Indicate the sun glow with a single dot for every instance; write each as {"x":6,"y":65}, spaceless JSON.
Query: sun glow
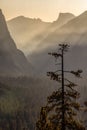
{"x":47,"y":10}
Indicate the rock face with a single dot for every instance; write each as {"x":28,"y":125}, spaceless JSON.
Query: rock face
{"x":63,"y":19}
{"x":12,"y":61}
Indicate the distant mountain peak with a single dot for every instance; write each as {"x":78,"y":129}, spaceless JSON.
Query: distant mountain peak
{"x":63,"y":18}
{"x":79,"y":23}
{"x":66,"y":14}
{"x":22,"y":19}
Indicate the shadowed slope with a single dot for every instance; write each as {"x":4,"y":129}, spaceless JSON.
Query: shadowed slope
{"x":12,"y":60}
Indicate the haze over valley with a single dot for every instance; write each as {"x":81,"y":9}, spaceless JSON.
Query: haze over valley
{"x":24,"y":62}
{"x":36,"y":38}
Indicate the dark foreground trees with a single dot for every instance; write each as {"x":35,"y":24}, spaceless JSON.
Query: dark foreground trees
{"x":62,"y":107}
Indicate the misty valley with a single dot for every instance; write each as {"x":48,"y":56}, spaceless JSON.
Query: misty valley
{"x":29,"y":99}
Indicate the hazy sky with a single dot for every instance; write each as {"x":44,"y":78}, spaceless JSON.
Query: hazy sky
{"x":47,"y":10}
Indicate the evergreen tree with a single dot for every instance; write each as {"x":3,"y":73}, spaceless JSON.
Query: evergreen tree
{"x":62,"y":107}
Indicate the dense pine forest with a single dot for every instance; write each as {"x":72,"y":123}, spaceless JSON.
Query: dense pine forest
{"x":21,"y":100}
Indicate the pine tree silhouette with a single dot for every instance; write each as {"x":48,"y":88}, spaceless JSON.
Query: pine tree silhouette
{"x":60,"y":113}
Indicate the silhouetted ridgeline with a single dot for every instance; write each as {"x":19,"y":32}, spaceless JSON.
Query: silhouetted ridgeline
{"x":12,"y":60}
{"x":37,"y":43}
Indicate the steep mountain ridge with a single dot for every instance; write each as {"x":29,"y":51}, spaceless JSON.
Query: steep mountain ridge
{"x":33,"y":31}
{"x":12,"y":61}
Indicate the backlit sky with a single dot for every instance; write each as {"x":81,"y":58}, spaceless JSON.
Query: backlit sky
{"x":47,"y":10}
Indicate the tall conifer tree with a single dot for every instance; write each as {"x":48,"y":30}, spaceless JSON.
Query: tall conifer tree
{"x":62,"y":107}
